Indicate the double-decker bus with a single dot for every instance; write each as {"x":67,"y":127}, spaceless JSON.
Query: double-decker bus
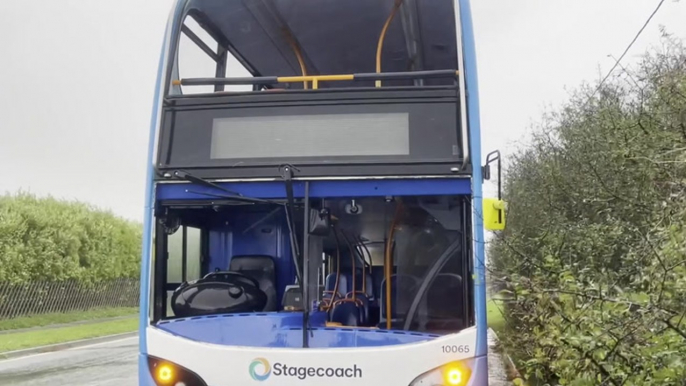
{"x":314,"y":210}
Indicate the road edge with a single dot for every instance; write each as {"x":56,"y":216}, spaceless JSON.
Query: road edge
{"x":513,"y":372}
{"x":66,"y":345}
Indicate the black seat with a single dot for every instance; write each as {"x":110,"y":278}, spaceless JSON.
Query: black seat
{"x":347,"y":313}
{"x":403,"y":287}
{"x":260,"y":268}
{"x":444,"y":308}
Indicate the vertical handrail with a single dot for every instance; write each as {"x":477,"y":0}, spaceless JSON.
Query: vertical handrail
{"x":382,"y":37}
{"x":388,"y":261}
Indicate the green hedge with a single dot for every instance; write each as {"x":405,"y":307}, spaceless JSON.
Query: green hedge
{"x":593,"y":263}
{"x":53,"y":240}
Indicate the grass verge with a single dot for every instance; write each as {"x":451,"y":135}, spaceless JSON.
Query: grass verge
{"x":495,"y":318}
{"x":66,"y":317}
{"x":30,"y":339}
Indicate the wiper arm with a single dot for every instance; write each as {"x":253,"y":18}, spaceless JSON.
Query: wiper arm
{"x":200,"y":181}
{"x":235,"y":196}
{"x":287,"y":175}
{"x":251,"y":200}
{"x":298,"y":259}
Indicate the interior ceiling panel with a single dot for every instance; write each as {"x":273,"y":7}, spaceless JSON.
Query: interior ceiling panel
{"x":335,"y":36}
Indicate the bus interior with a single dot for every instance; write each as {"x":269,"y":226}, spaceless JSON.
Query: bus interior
{"x":365,"y":258}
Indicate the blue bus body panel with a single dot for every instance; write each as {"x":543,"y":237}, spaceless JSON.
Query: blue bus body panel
{"x":330,"y":189}
{"x":479,"y":367}
{"x":471,"y":78}
{"x":146,"y":260}
{"x":147,"y":216}
{"x":283,"y":330}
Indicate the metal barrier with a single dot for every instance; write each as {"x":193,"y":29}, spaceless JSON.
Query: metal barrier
{"x":36,"y":298}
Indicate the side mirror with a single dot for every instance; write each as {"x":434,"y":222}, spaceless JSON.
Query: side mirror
{"x":494,"y":209}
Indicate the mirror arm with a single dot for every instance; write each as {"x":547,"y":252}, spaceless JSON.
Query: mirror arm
{"x":495,"y":156}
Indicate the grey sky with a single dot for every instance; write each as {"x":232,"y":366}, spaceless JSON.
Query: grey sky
{"x":76,"y":81}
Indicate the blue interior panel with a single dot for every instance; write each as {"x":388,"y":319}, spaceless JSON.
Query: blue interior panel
{"x":238,"y":237}
{"x":283,"y":330}
{"x":328,"y":189}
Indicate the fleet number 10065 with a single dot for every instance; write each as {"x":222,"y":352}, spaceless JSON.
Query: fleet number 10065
{"x":454,"y":348}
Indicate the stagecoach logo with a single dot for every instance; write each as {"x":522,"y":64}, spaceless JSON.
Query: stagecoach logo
{"x":260,"y":369}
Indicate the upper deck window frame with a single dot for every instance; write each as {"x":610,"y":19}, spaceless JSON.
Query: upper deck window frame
{"x":175,"y":102}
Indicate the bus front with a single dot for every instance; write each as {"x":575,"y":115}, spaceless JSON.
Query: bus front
{"x":310,"y":209}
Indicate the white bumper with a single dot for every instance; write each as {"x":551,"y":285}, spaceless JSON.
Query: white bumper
{"x":234,"y":366}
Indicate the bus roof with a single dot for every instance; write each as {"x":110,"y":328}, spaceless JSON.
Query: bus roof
{"x":333,"y":36}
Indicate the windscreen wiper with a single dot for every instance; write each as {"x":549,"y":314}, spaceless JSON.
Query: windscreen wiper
{"x":200,"y":181}
{"x":231,"y":195}
{"x":249,"y":200}
{"x":287,"y":175}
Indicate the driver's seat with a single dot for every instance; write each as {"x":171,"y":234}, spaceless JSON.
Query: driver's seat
{"x":260,"y":268}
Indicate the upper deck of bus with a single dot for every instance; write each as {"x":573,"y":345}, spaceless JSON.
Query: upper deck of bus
{"x":347,"y":89}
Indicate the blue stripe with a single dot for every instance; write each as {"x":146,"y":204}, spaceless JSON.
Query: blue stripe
{"x":147,"y":222}
{"x":340,"y":188}
{"x":479,"y":367}
{"x":144,"y":377}
{"x":471,"y":78}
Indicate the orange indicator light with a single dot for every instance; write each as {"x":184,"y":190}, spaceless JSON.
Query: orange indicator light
{"x":165,"y":373}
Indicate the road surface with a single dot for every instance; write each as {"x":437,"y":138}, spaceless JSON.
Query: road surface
{"x":114,"y":364}
{"x":105,"y":364}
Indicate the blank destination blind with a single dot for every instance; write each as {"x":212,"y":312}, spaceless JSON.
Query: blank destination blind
{"x":326,"y":135}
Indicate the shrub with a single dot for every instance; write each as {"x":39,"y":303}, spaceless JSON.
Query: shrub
{"x":52,"y":240}
{"x":594,"y":258}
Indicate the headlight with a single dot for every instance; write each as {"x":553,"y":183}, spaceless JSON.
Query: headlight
{"x":166,"y":373}
{"x":451,"y":374}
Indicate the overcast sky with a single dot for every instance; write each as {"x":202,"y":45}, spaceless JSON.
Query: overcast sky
{"x":77,"y":77}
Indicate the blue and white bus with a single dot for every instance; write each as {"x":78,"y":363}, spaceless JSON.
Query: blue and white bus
{"x":314,"y":209}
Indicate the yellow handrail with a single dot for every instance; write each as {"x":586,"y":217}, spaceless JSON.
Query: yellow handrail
{"x":298,"y":54}
{"x":315,"y":79}
{"x":382,"y":37}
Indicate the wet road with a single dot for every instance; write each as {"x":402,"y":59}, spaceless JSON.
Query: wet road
{"x":105,"y":364}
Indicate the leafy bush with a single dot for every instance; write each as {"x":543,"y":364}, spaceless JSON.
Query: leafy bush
{"x":593,"y":263}
{"x":47,"y":239}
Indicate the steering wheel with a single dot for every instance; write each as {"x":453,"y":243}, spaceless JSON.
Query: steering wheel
{"x":218,"y":292}
{"x":230,"y":276}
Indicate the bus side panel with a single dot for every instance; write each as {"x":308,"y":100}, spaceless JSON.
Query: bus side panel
{"x":471,"y":78}
{"x":144,"y":377}
{"x":479,"y":372}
